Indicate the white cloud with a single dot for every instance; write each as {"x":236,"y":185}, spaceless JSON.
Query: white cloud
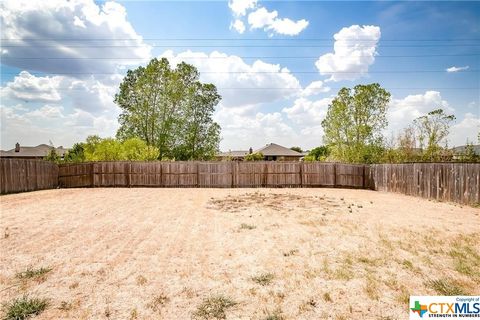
{"x":86,"y":94}
{"x":403,"y":111}
{"x":355,"y":49}
{"x":51,"y":123}
{"x":314,"y":88}
{"x":58,"y":29}
{"x":238,"y":82}
{"x":238,"y":25}
{"x":465,"y":130}
{"x":307,"y":112}
{"x":26,"y":87}
{"x":288,"y":27}
{"x":240,"y":7}
{"x":67,"y":107}
{"x":46,"y":112}
{"x":254,"y":129}
{"x":261,"y":18}
{"x":456,"y":69}
{"x":269,"y":21}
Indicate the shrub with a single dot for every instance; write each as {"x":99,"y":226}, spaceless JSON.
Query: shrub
{"x":256,"y":156}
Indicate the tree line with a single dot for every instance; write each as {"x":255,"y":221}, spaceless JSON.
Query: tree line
{"x":167,"y":114}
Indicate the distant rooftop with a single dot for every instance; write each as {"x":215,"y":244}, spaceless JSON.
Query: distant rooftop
{"x":39,"y":151}
{"x":273,"y":149}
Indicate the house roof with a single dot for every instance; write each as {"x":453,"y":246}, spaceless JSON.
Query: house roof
{"x":461,"y":149}
{"x":273,"y":149}
{"x":33,"y":152}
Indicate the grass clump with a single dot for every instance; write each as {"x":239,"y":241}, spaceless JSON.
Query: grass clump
{"x":24,"y":307}
{"x":275,"y":315}
{"x":466,"y":259}
{"x":371,"y":288}
{"x":290,"y":253}
{"x":327,"y":297}
{"x":32,"y":273}
{"x":446,"y":287}
{"x":246,"y":226}
{"x":214,"y":308}
{"x":158,"y":302}
{"x":407,"y":264}
{"x":264,"y":278}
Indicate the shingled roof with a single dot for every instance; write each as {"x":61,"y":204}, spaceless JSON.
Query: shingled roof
{"x":39,"y":151}
{"x":273,"y":149}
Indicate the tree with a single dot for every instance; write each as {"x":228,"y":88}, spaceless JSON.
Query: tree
{"x":256,"y":156}
{"x":318,"y":154}
{"x":109,"y":149}
{"x":469,"y":154}
{"x":135,"y":149}
{"x":407,"y":146}
{"x":354,"y":123}
{"x":298,"y":149}
{"x":432,"y":128}
{"x":52,"y":156}
{"x":169,"y":109}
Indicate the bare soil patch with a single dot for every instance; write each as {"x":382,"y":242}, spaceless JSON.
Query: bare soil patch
{"x":233,"y":253}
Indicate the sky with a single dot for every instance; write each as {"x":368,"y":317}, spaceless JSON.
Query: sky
{"x":276,"y":64}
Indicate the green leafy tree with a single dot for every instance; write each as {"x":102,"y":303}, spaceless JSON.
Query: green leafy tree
{"x":354,"y":123}
{"x":76,"y":153}
{"x":135,"y":149}
{"x":169,"y":109}
{"x":432,"y":129}
{"x":52,"y":156}
{"x":469,"y":154}
{"x":108,"y":149}
{"x":256,"y":156}
{"x":298,"y":149}
{"x":320,"y":153}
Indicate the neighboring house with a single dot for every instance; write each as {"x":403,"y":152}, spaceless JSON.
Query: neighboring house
{"x":271,"y":152}
{"x":232,"y":155}
{"x":458,"y":152}
{"x":38,"y":152}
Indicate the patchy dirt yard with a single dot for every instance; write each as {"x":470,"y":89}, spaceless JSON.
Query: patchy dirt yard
{"x":234,"y":253}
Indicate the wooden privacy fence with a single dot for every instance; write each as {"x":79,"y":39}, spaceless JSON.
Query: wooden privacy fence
{"x":455,"y":182}
{"x":211,"y":174}
{"x":19,"y":175}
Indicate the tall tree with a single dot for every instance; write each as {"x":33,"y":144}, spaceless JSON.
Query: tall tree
{"x":432,"y":129}
{"x":354,"y":123}
{"x":169,"y":109}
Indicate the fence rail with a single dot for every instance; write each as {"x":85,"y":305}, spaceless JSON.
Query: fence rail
{"x":456,"y":182}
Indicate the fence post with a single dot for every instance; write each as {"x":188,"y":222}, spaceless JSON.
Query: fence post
{"x":334,"y":174}
{"x":301,"y":174}
{"x":129,"y":170}
{"x":363,"y":182}
{"x":92,"y":178}
{"x":198,"y":175}
{"x":232,"y":169}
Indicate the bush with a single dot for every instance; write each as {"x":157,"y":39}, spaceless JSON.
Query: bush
{"x":256,"y":156}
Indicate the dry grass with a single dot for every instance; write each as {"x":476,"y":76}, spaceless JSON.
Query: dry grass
{"x":164,"y":253}
{"x":214,"y":308}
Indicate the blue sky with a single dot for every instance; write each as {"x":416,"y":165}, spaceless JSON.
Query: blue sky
{"x":274,"y":63}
